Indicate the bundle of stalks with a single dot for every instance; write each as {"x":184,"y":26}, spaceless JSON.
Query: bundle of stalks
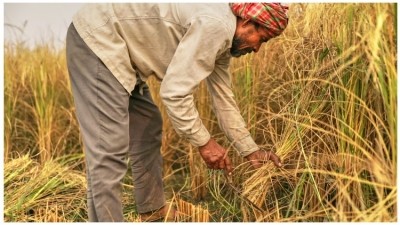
{"x":191,"y":213}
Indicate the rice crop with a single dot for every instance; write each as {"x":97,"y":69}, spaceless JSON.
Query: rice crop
{"x":323,"y":96}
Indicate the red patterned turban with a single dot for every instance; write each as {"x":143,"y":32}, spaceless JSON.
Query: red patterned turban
{"x":272,"y":16}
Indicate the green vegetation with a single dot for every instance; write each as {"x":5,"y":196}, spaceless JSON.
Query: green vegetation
{"x":323,"y":96}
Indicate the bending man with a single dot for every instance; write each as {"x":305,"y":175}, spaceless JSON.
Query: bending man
{"x":112,"y":49}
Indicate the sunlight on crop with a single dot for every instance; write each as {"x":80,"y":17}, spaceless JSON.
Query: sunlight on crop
{"x":323,"y":96}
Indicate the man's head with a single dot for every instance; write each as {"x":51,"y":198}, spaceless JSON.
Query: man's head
{"x":256,"y":24}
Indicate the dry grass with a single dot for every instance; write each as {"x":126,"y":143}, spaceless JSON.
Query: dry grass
{"x":332,"y":119}
{"x":323,"y":96}
{"x":48,"y":192}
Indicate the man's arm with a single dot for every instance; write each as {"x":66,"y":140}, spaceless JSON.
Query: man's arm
{"x":230,"y":119}
{"x":193,"y":61}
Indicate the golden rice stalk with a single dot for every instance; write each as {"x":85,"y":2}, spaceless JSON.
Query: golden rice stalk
{"x":198,"y":175}
{"x":188,"y":212}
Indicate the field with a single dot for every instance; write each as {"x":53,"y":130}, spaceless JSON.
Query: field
{"x":323,"y":96}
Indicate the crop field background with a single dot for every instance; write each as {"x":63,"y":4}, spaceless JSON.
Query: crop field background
{"x":323,"y":96}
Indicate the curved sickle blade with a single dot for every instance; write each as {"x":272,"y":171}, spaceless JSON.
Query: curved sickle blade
{"x":239,"y":193}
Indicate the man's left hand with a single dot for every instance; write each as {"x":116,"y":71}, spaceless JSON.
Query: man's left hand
{"x":258,"y":158}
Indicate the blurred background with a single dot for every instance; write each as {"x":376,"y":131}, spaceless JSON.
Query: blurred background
{"x":36,"y":23}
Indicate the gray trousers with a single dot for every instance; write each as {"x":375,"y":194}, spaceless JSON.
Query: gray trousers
{"x":115,"y":126}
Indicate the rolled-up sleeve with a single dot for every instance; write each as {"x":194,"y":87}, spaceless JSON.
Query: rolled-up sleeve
{"x":193,"y":61}
{"x":226,"y":110}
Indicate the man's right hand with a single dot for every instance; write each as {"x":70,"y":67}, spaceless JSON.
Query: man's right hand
{"x":215,"y":156}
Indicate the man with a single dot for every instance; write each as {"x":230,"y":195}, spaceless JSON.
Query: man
{"x":112,"y":49}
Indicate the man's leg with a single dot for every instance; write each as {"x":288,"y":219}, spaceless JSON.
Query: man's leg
{"x":102,"y":110}
{"x":145,"y":142}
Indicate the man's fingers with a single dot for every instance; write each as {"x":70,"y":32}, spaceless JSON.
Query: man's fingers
{"x":258,"y":158}
{"x":273,"y":157}
{"x":217,"y":165}
{"x":213,"y":165}
{"x":228,"y":165}
{"x":221,"y":164}
{"x":256,"y":163}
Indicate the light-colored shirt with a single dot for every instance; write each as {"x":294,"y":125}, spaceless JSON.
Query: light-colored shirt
{"x":181,"y":45}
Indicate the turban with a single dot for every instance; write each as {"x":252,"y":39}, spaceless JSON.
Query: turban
{"x":272,"y":16}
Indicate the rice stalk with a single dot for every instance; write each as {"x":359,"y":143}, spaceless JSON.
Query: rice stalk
{"x":51,"y":192}
{"x":191,"y":213}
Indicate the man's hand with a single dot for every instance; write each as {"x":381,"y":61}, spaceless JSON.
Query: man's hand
{"x":258,"y":158}
{"x":215,"y":156}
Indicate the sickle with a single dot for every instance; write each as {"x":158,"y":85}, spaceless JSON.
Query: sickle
{"x":239,"y":193}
